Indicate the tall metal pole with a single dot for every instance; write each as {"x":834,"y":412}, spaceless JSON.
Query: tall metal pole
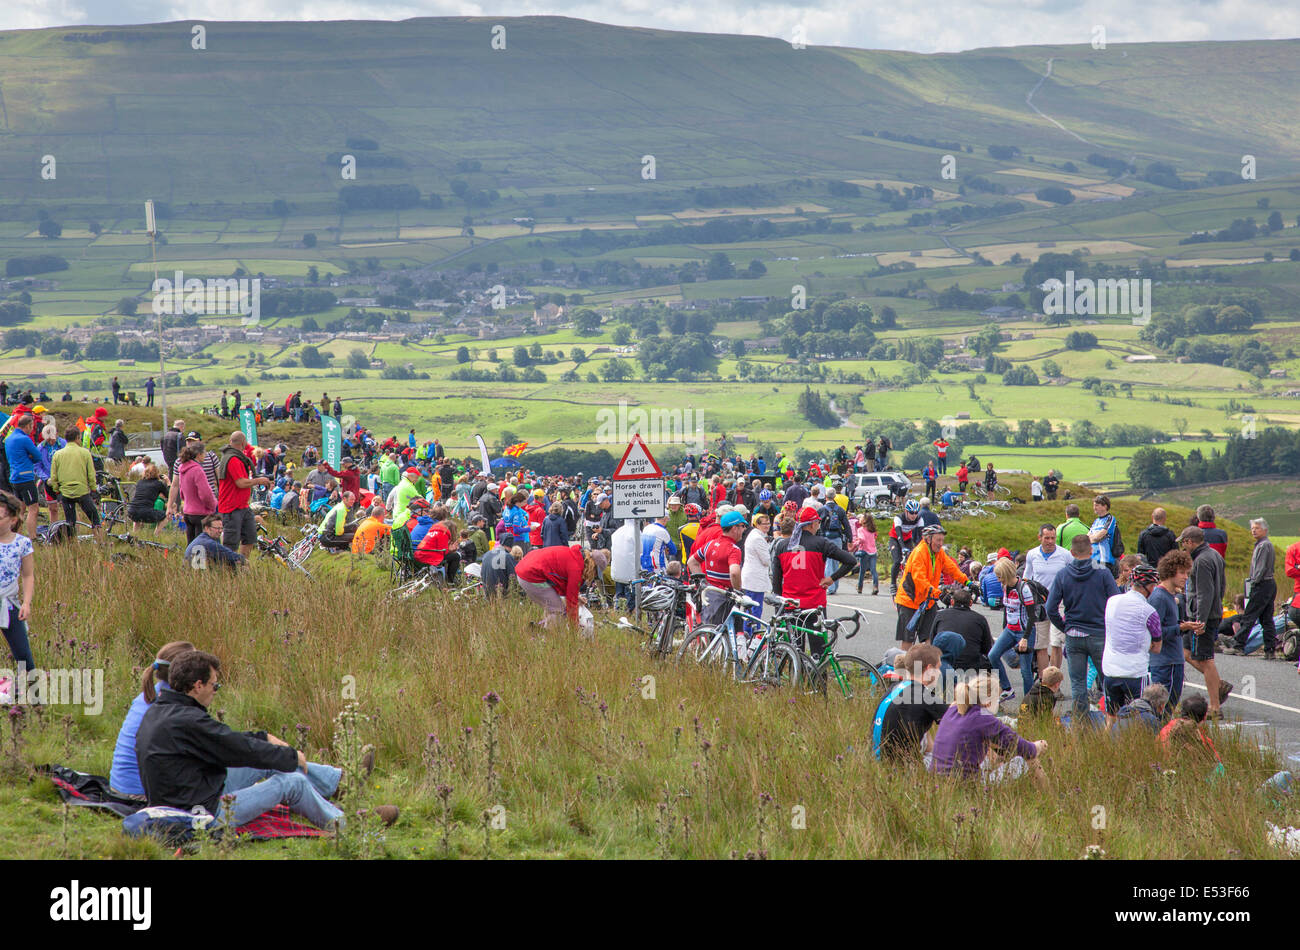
{"x":152,"y":226}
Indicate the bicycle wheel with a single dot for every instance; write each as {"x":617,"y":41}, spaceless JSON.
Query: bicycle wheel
{"x":1002,"y":489}
{"x":705,"y":647}
{"x":776,"y":664}
{"x":978,"y":490}
{"x":661,"y":640}
{"x":861,"y":676}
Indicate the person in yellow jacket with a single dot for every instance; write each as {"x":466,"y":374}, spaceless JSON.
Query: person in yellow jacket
{"x":927,"y":568}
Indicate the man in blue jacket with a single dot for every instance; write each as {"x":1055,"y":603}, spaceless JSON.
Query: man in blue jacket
{"x":20,"y":450}
{"x":1080,"y":592}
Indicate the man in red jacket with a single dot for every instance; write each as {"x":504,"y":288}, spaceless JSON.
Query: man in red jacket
{"x":1293,"y":572}
{"x":435,"y":550}
{"x":553,"y":577}
{"x":349,"y":478}
{"x":718,"y":559}
{"x":536,"y":517}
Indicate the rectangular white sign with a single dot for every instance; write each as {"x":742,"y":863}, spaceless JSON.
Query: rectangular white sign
{"x":640,"y":498}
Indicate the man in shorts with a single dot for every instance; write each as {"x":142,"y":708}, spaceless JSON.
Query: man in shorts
{"x":1042,"y":564}
{"x":1206,"y":586}
{"x":72,"y":478}
{"x":234,"y":492}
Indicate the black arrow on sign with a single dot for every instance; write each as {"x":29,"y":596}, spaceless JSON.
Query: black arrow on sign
{"x":637,"y":511}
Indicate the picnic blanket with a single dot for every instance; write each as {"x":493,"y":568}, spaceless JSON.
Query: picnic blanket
{"x":92,"y":791}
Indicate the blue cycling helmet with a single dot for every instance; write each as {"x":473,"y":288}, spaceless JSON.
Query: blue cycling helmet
{"x":913,"y":507}
{"x":765,"y":495}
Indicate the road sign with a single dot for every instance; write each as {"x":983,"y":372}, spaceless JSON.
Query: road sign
{"x":640,"y":498}
{"x":637,"y":462}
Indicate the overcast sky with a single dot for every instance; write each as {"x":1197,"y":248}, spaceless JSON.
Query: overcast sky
{"x":935,"y":26}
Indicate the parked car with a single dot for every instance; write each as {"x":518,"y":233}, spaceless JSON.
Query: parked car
{"x":872,"y":488}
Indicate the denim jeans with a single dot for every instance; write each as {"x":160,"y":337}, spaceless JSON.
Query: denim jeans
{"x":16,"y":636}
{"x":757,"y":610}
{"x":1079,"y":650}
{"x":833,"y":566}
{"x":1006,"y":642}
{"x":950,"y":645}
{"x":258,"y":790}
{"x":867,"y":562}
{"x":1171,"y":678}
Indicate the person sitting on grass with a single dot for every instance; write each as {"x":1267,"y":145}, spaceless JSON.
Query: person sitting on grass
{"x":188,"y":759}
{"x":971,"y":736}
{"x":1147,"y":710}
{"x":902,"y":720}
{"x":371,"y":529}
{"x":1188,"y":727}
{"x":206,"y":548}
{"x":335,"y":532}
{"x":1040,"y":701}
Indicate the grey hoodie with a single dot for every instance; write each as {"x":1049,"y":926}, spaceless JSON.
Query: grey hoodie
{"x":1206,"y":585}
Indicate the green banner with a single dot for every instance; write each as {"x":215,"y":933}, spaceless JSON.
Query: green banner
{"x":331,"y":441}
{"x":248,"y":422}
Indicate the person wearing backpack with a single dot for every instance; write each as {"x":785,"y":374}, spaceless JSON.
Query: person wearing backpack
{"x":1107,"y":546}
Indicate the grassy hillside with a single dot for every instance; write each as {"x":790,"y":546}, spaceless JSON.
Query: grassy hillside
{"x":134,"y":109}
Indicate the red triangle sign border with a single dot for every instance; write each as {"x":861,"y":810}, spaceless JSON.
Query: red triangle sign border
{"x":618,"y":469}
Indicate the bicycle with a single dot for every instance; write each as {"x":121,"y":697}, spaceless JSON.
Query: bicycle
{"x":854,"y":675}
{"x":771,"y":661}
{"x":277,"y":549}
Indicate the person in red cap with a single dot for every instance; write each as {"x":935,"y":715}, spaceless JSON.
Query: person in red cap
{"x":93,"y":435}
{"x":799,"y":565}
{"x":1003,"y":552}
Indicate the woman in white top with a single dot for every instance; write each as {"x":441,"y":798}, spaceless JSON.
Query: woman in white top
{"x":756,"y":564}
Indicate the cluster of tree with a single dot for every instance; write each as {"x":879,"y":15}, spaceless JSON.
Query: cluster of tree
{"x":678,"y":357}
{"x":715,"y":231}
{"x":504,"y":373}
{"x":916,"y":140}
{"x":1227,"y":315}
{"x":378,"y":197}
{"x":473,"y":197}
{"x":1115,"y":167}
{"x":1080,"y":340}
{"x":1164,"y":175}
{"x":1250,"y":356}
{"x":817,"y":410}
{"x":899,"y":200}
{"x":857,"y":342}
{"x":1057,"y":194}
{"x":287,"y":303}
{"x":468,"y":166}
{"x":313,"y":358}
{"x":574,"y":462}
{"x":1269,"y":451}
{"x":401,"y":372}
{"x":963,"y":213}
{"x":34,"y":264}
{"x":362,"y":143}
{"x":980,"y":183}
{"x":107,"y":346}
{"x":844,"y":189}
{"x":1088,"y":434}
{"x":1020,"y":376}
{"x":1241,"y":229}
{"x":13,"y":312}
{"x":1003,"y":153}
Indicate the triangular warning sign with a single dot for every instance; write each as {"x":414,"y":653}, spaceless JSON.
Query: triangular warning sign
{"x":637,"y":462}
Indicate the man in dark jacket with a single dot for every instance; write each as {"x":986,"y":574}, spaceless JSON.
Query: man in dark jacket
{"x":555,"y":531}
{"x":187,"y":758}
{"x":1156,"y":540}
{"x":172,"y":444}
{"x":489,"y":506}
{"x":1080,"y":592}
{"x":972,"y":653}
{"x":1205,"y":588}
{"x":1261,"y":591}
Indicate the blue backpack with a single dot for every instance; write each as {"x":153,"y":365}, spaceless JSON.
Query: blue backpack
{"x":878,"y":726}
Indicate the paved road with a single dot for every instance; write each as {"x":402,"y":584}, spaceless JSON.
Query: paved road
{"x":1266,"y":703}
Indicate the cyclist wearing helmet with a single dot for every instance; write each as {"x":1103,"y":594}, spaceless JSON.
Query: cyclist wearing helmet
{"x":903,"y":537}
{"x":767,"y":504}
{"x":718,"y":559}
{"x":690,"y":530}
{"x":1133,"y":633}
{"x":928,"y":567}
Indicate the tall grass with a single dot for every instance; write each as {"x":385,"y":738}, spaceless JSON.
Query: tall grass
{"x":582,"y":756}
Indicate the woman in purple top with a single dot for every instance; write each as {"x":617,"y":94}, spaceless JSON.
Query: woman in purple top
{"x":970,"y":733}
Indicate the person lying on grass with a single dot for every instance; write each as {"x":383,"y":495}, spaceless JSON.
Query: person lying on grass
{"x":189,"y":759}
{"x":971,"y":736}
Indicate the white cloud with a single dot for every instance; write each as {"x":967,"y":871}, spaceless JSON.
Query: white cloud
{"x":34,"y":14}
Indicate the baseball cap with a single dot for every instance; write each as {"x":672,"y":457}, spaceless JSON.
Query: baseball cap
{"x":193,"y":435}
{"x":1003,"y":552}
{"x":808,"y":514}
{"x":731,"y":519}
{"x":413,"y":471}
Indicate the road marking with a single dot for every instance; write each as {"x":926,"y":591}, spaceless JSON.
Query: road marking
{"x":1249,"y":699}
